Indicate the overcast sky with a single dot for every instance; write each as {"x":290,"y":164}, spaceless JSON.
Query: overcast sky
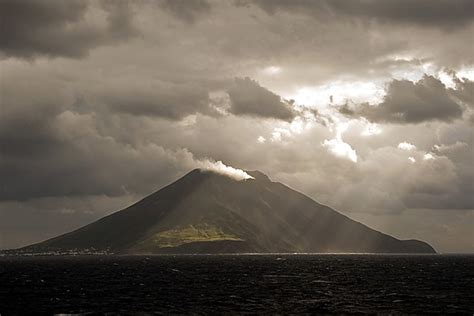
{"x":366,"y":106}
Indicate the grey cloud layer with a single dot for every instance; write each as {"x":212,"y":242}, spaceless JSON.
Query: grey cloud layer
{"x":443,"y":13}
{"x":247,"y":97}
{"x":59,"y":28}
{"x":186,"y":10}
{"x":161,"y":99}
{"x":74,"y":29}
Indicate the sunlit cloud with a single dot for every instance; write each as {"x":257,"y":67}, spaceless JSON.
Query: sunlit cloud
{"x":406,"y":146}
{"x":340,"y":92}
{"x":341,"y":149}
{"x":412,"y":159}
{"x":297,"y":126}
{"x":272,"y":70}
{"x":337,"y":146}
{"x":429,"y":156}
{"x":278,"y":132}
{"x":276,"y":136}
{"x":401,"y":56}
{"x":415,"y":71}
{"x":261,"y":139}
{"x":447,"y":79}
{"x":467,"y":72}
{"x":371,"y":129}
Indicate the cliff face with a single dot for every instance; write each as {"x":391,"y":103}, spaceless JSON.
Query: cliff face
{"x":204,"y":212}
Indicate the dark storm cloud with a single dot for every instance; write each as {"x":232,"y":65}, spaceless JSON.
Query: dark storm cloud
{"x":408,"y":102}
{"x":47,"y":134}
{"x":186,"y":10}
{"x":28,"y":104}
{"x":443,"y":13}
{"x":88,"y":166}
{"x":69,"y":155}
{"x":54,"y":28}
{"x":167,"y":100}
{"x":247,"y":97}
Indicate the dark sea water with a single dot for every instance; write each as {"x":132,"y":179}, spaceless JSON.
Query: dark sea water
{"x":238,"y":284}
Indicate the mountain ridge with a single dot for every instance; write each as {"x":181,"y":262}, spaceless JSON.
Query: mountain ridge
{"x":207,"y":212}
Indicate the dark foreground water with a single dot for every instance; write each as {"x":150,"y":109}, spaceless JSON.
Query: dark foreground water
{"x":239,"y":284}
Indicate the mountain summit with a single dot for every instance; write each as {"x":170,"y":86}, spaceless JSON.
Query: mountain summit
{"x":207,"y":212}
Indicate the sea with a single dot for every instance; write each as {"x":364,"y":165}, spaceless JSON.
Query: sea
{"x":237,"y":284}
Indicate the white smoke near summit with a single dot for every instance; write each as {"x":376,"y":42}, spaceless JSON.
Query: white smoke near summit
{"x":220,"y":168}
{"x":187,"y":160}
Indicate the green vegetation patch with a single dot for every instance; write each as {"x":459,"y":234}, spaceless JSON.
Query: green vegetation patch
{"x":188,"y":234}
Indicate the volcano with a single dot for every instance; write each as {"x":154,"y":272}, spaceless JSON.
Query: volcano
{"x":207,"y":212}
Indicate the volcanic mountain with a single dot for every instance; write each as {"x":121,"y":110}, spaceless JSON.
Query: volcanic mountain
{"x":206,"y":212}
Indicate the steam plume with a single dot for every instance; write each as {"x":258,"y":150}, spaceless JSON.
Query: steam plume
{"x":220,"y":168}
